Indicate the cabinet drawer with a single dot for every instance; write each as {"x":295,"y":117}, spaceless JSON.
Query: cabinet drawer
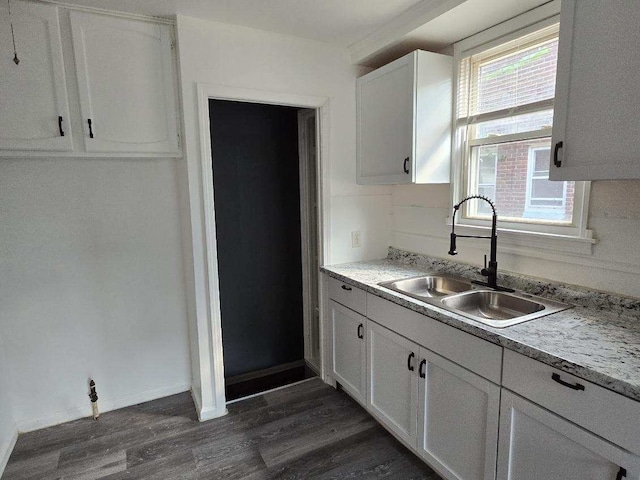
{"x":348,"y":295}
{"x":471,"y":352}
{"x":606,"y":413}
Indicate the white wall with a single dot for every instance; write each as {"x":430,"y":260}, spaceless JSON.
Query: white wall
{"x":242,"y":57}
{"x":8,"y":431}
{"x":420,"y":211}
{"x":92,"y":284}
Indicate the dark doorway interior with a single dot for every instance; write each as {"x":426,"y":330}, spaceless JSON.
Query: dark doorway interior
{"x":257,"y":210}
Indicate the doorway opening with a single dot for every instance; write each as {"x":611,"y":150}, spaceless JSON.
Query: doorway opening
{"x":264,"y":163}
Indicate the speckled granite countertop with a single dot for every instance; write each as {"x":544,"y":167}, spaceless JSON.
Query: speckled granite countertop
{"x":598,"y":339}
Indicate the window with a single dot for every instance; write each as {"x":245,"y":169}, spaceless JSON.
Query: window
{"x":504,"y":108}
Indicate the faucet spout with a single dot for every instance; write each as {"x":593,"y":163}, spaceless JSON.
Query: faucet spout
{"x":490,"y":271}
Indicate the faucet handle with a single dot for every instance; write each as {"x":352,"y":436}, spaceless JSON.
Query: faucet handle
{"x":485,"y":271}
{"x":452,"y":244}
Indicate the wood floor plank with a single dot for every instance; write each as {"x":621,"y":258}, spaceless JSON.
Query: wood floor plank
{"x":306,"y":431}
{"x":96,"y":468}
{"x":370,"y":454}
{"x":34,"y":467}
{"x":217,"y":432}
{"x":319,"y":432}
{"x":175,"y":466}
{"x":175,"y":409}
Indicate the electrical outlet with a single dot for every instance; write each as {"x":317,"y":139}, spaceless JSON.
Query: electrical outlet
{"x":355,"y":239}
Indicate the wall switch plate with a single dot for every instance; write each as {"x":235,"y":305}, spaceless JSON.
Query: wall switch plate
{"x":355,"y":239}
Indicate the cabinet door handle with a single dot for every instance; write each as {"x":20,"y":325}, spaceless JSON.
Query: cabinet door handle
{"x":622,"y":473}
{"x":344,"y":287}
{"x":360,"y":331}
{"x":574,"y":386}
{"x":60,"y":126}
{"x":409,"y":358}
{"x":90,"y":128}
{"x":405,"y":165}
{"x":556,"y":161}
{"x":421,"y":371}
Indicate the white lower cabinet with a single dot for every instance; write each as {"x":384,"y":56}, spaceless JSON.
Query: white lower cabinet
{"x":348,"y":345}
{"x":446,"y":413}
{"x":392,"y":363}
{"x":535,"y":444}
{"x":466,"y":427}
{"x":457,"y":419}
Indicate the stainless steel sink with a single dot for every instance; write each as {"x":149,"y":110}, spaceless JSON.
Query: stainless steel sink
{"x":429,"y":286}
{"x":458,"y":295}
{"x":500,"y":309}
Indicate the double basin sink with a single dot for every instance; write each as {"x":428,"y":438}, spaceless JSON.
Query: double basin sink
{"x":458,"y":295}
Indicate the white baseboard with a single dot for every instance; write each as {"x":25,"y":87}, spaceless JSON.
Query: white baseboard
{"x":106,"y":405}
{"x":211,"y":413}
{"x":197,"y":401}
{"x":7,"y":447}
{"x":205,"y":414}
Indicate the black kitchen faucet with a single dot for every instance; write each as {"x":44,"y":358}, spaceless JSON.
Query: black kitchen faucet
{"x":490,"y":272}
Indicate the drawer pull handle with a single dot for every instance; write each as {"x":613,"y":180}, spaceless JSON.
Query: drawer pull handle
{"x":421,"y":368}
{"x":344,"y":287}
{"x":574,"y":386}
{"x":409,"y":358}
{"x":405,"y":165}
{"x":360,"y":331}
{"x":622,"y":473}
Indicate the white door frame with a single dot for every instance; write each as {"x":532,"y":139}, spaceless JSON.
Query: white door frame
{"x":212,"y":332}
{"x":306,"y":241}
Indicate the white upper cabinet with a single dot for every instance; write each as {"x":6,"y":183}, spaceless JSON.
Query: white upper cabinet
{"x":404,"y":121}
{"x":596,"y":125}
{"x":126,"y":84}
{"x":33,"y":94}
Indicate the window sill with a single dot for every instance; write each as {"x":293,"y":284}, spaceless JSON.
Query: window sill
{"x":521,"y":242}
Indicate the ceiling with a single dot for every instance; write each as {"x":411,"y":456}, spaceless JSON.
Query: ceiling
{"x":374,"y":31}
{"x":339,"y":22}
{"x":436,"y":28}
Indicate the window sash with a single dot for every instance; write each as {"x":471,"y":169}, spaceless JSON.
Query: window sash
{"x":506,"y":113}
{"x":468,"y":68}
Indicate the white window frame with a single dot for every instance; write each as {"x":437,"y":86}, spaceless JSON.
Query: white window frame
{"x":574,"y":233}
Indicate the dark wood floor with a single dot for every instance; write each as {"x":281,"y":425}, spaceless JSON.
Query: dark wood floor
{"x":305,"y":431}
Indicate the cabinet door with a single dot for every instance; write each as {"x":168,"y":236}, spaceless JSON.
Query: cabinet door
{"x":385,"y":123}
{"x":597,"y":102}
{"x":126,"y":84}
{"x":535,"y":444}
{"x":33,"y":94}
{"x":348,"y":342}
{"x":393,"y":382}
{"x":457,"y":419}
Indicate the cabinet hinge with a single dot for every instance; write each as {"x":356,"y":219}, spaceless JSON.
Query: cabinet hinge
{"x":173,"y":44}
{"x":179,"y":141}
